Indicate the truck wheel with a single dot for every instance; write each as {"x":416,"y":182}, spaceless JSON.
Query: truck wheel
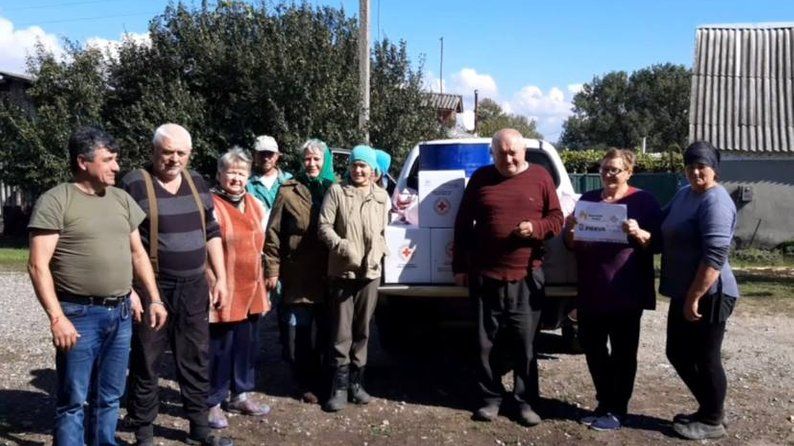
{"x":570,"y":336}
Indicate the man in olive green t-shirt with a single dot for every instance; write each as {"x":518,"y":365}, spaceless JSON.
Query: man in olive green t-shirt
{"x":84,"y":248}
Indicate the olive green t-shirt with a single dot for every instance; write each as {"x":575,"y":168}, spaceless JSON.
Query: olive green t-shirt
{"x":92,"y":257}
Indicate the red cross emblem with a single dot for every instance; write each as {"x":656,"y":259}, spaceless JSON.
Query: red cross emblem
{"x":448,"y":249}
{"x":442,"y":206}
{"x":406,"y":251}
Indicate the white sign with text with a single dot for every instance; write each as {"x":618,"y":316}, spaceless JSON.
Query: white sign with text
{"x":599,"y":222}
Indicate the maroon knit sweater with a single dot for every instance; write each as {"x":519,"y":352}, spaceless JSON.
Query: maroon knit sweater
{"x":491,"y":209}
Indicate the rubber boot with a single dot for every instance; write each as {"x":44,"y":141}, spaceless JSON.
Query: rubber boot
{"x":356,"y":393}
{"x":338,"y":397}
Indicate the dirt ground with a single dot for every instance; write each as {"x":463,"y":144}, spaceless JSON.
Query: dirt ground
{"x":427,"y":399}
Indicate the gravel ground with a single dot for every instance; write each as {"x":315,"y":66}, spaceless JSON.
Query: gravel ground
{"x":427,"y":400}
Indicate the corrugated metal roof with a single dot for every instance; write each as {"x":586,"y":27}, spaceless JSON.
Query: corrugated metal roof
{"x":16,"y":76}
{"x":742,"y":93}
{"x":445,"y":101}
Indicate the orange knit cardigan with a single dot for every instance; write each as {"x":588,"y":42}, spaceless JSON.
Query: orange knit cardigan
{"x":243,"y":240}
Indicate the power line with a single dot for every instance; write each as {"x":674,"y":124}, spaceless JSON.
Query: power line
{"x":58,"y":5}
{"x":82,"y":19}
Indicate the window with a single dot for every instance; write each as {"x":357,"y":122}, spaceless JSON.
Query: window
{"x":539,"y":157}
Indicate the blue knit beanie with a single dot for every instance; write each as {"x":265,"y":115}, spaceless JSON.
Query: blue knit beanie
{"x":364,"y":154}
{"x":384,"y":161}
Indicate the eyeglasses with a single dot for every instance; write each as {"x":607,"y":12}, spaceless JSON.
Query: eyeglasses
{"x":612,"y":171}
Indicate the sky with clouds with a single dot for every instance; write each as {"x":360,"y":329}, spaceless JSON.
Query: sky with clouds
{"x":529,"y":56}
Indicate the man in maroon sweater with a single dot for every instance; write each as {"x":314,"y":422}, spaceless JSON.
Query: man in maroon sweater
{"x":507,"y":210}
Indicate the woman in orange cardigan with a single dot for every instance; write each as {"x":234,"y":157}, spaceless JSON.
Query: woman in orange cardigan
{"x":234,"y":328}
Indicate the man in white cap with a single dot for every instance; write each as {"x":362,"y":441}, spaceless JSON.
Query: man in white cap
{"x":267,"y":178}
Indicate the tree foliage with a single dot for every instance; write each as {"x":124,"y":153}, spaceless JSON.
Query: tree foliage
{"x":619,"y":110}
{"x":65,"y":96}
{"x":589,"y":161}
{"x":491,"y":118}
{"x":227,"y":74}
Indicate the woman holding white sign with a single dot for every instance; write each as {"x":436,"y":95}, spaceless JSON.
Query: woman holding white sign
{"x":697,"y":232}
{"x":616,"y":282}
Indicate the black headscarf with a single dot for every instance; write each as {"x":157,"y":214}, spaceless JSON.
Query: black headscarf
{"x":702,"y":152}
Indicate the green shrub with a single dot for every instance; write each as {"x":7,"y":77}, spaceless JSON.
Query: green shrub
{"x":786,"y":248}
{"x":588,"y":161}
{"x":757,"y":256}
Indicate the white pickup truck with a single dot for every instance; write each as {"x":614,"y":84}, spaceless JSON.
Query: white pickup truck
{"x":410,"y":314}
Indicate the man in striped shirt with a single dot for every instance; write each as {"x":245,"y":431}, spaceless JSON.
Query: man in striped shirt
{"x":180,"y":234}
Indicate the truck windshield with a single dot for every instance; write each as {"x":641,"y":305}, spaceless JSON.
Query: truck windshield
{"x":534,"y":156}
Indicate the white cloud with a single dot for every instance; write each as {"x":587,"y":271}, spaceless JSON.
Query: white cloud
{"x":433,"y":83}
{"x":111,"y":47}
{"x":575,"y":88}
{"x":467,"y":80}
{"x":549,"y":110}
{"x":17,"y":44}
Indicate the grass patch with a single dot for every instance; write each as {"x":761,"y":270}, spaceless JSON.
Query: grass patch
{"x":765,"y":283}
{"x":13,"y":254}
{"x":748,"y":258}
{"x":767,"y":291}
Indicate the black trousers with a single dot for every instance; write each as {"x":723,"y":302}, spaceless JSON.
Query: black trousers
{"x":612,"y":368}
{"x":305,"y":341}
{"x":693,"y":349}
{"x":187,"y":333}
{"x":507,"y":317}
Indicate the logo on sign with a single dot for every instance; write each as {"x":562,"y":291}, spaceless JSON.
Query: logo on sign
{"x":407,"y":252}
{"x":442,"y":206}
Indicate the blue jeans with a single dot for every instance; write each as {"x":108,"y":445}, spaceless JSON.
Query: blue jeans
{"x":92,"y":374}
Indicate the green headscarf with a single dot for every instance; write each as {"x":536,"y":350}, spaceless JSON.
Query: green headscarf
{"x":320,"y":184}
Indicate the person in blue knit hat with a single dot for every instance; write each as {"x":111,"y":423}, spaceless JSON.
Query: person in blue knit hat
{"x":353,"y":218}
{"x":384,"y":161}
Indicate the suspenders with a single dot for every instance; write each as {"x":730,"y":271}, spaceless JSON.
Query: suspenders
{"x":153,"y":213}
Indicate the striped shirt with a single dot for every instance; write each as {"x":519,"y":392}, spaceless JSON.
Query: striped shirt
{"x":182,"y":248}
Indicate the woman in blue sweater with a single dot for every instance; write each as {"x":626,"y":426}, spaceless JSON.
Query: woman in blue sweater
{"x":697,"y":231}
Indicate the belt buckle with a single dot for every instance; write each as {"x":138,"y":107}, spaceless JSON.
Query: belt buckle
{"x":108,"y":301}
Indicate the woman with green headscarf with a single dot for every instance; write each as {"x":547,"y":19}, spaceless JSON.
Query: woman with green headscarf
{"x":292,"y":252}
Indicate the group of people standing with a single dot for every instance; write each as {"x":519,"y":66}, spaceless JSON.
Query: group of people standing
{"x":198,"y":267}
{"x":509,"y":208}
{"x":207,"y":262}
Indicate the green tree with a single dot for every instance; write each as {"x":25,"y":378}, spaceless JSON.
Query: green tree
{"x":491,"y":118}
{"x":619,"y":110}
{"x":227,"y":73}
{"x":65,"y":95}
{"x":399,"y":118}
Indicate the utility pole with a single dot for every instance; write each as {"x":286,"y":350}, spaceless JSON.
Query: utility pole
{"x":476,"y":103}
{"x":441,"y":69}
{"x":363,"y":67}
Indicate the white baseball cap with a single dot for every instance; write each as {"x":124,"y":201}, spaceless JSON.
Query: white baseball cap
{"x":265,"y":143}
